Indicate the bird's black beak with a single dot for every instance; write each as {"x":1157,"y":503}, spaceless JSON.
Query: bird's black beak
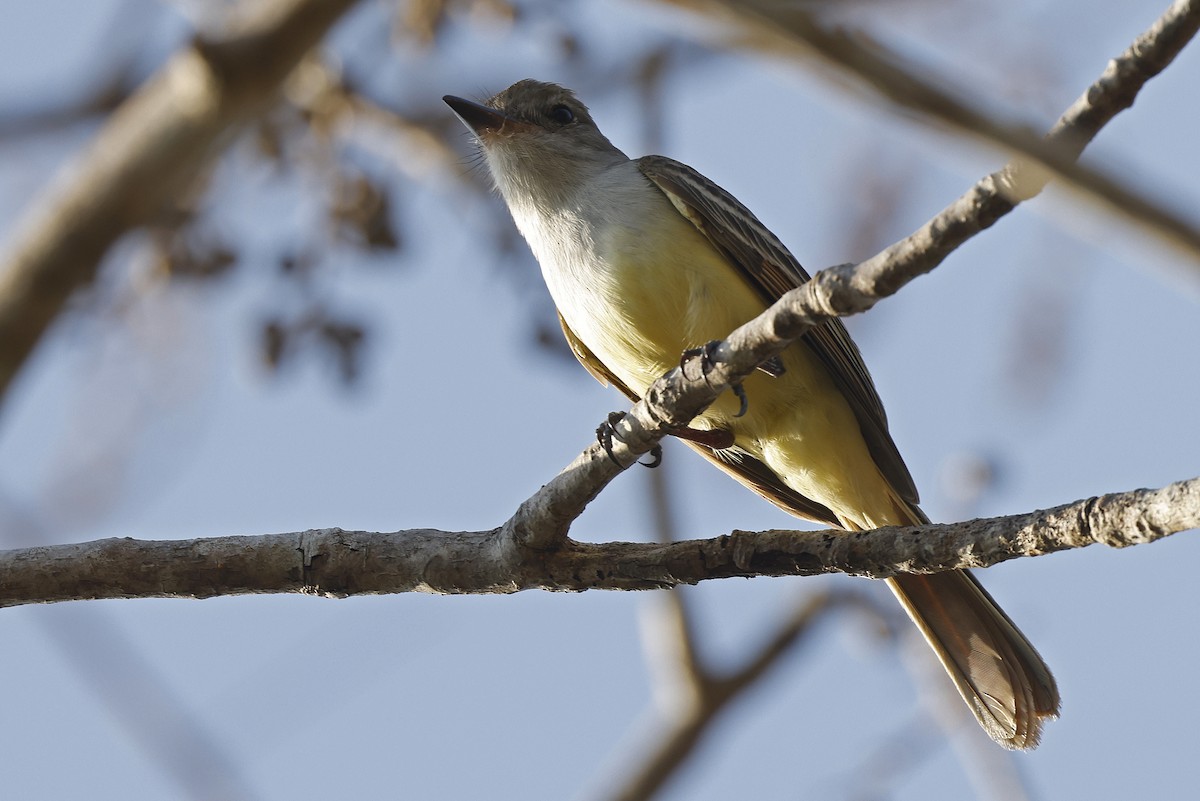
{"x":479,"y":118}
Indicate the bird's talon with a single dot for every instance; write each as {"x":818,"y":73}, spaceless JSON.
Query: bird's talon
{"x":656,"y":456}
{"x":604,"y":436}
{"x":706,"y":356}
{"x":740,"y":391}
{"x":613,"y":419}
{"x":606,"y":432}
{"x":705,"y":352}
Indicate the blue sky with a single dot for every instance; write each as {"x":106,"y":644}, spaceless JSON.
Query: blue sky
{"x":159,"y":422}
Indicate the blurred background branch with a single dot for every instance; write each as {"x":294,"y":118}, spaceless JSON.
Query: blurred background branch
{"x":338,"y":220}
{"x":153,"y":147}
{"x":690,"y":694}
{"x":794,"y":29}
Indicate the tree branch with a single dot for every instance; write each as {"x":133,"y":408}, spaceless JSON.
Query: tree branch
{"x":793,"y":29}
{"x":713,"y":691}
{"x":337,"y":563}
{"x":532,"y":549}
{"x":673,"y":400}
{"x":152,"y":147}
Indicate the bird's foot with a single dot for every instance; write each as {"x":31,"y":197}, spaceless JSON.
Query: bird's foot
{"x":744,"y":402}
{"x":606,"y":432}
{"x":705,"y":352}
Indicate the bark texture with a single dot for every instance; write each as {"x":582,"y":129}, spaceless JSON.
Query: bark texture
{"x":337,"y":563}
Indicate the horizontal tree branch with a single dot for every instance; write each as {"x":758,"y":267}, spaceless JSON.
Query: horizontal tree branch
{"x":337,"y":563}
{"x":531,"y":549}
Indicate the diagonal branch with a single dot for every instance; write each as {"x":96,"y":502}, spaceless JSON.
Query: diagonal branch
{"x":676,"y":738}
{"x":338,"y":563}
{"x":793,"y":29}
{"x":850,"y":289}
{"x":691,"y":693}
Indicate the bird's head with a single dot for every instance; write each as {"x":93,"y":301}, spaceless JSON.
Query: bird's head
{"x":538,"y":138}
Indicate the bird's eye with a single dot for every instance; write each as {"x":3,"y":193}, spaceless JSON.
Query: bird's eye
{"x":562,"y":114}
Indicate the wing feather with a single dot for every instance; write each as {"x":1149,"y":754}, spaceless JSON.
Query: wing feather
{"x":771,"y":270}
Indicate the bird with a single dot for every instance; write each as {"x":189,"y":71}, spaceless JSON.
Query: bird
{"x":647,"y":259}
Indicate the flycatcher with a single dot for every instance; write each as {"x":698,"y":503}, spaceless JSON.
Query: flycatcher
{"x":648,"y":258}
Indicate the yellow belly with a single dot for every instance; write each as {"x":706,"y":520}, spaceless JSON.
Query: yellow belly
{"x":661,"y":293}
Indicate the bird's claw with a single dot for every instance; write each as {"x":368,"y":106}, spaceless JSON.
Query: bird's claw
{"x":606,"y":432}
{"x":705,"y":352}
{"x":656,"y":457}
{"x":740,"y":391}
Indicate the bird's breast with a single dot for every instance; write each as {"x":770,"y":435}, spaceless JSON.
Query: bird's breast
{"x":634,"y":280}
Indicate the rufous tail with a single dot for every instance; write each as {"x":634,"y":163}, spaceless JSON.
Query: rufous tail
{"x":996,"y":669}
